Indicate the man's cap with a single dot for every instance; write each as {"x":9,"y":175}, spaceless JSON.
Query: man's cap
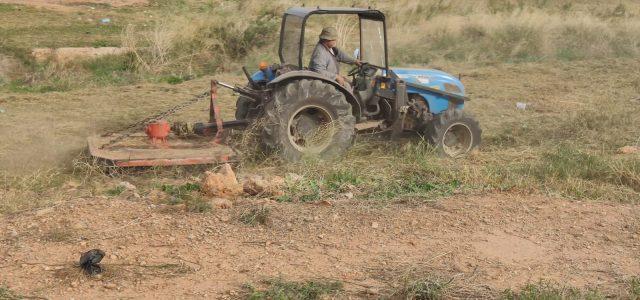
{"x":329,"y":33}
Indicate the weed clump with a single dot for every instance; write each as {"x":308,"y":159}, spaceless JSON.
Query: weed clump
{"x":280,"y":289}
{"x":425,"y":290}
{"x":5,"y":292}
{"x":255,"y":216}
{"x":187,"y":194}
{"x":549,"y":290}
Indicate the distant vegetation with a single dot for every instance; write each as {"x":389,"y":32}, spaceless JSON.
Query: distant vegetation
{"x":176,"y":40}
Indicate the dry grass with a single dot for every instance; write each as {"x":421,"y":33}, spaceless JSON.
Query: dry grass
{"x":174,"y":41}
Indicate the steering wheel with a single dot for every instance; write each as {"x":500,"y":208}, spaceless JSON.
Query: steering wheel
{"x":357,"y":69}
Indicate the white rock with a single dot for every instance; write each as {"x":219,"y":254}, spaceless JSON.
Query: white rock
{"x":127,"y":186}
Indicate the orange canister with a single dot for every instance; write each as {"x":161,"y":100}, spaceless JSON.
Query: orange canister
{"x":158,"y":131}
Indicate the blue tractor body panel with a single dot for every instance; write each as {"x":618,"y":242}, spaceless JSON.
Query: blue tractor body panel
{"x":264,"y":76}
{"x":434,"y":79}
{"x":427,"y":77}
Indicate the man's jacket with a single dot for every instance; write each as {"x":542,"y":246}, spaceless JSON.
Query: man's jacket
{"x":326,"y":63}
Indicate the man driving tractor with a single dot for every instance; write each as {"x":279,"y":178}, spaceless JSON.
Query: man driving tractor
{"x":326,"y":56}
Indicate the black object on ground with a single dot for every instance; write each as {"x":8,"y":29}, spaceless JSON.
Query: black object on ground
{"x":90,"y":260}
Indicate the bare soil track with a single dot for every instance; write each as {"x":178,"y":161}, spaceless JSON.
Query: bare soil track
{"x":160,"y":251}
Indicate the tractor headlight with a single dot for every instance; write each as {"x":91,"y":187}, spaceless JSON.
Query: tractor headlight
{"x":452,"y":88}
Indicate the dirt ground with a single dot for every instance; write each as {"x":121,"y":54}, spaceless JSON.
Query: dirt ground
{"x":156,"y":251}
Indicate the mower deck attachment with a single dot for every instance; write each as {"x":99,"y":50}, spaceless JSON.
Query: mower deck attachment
{"x":136,"y":151}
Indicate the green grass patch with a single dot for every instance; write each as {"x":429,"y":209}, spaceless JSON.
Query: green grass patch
{"x":187,"y":194}
{"x":550,"y":291}
{"x":5,"y":292}
{"x":180,"y":191}
{"x":115,"y":191}
{"x":176,"y":79}
{"x":414,"y":187}
{"x":567,"y":162}
{"x":112,"y":69}
{"x":197,"y":204}
{"x":633,"y":288}
{"x":279,"y":289}
{"x":306,"y":190}
{"x":425,"y":289}
{"x":341,"y":181}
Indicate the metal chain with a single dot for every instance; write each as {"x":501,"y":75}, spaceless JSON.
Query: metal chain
{"x":129,"y":130}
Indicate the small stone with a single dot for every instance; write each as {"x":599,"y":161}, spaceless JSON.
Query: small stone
{"x":326,"y":203}
{"x":110,"y":286}
{"x":372,"y":291}
{"x":629,"y":150}
{"x":257,"y":185}
{"x":44,"y":211}
{"x":348,"y":195}
{"x":71,"y":185}
{"x":74,"y":284}
{"x":79,"y":225}
{"x":221,"y":203}
{"x":13,"y":233}
{"x":222,"y":184}
{"x":127,"y":186}
{"x":293,"y":177}
{"x":375,"y":225}
{"x":157,"y":196}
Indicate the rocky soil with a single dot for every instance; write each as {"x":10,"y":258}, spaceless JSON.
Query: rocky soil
{"x":493,"y":241}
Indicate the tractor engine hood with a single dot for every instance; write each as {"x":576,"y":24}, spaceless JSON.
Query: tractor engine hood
{"x":432,"y":78}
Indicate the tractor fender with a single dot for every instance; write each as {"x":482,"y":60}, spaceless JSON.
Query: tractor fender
{"x":305,"y":74}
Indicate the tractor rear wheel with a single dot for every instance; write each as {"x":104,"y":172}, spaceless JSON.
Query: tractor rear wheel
{"x":308,"y":118}
{"x":454,"y":133}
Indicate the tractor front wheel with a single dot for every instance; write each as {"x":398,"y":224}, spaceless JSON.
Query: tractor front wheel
{"x":454,"y":133}
{"x":308,"y":118}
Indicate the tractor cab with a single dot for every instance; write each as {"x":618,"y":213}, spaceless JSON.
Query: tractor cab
{"x":363,"y":32}
{"x":372,"y":28}
{"x":370,"y":44}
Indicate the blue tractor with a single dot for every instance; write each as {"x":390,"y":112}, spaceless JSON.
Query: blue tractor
{"x":303,"y":113}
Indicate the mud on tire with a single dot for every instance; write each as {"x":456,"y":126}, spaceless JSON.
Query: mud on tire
{"x":308,"y":118}
{"x":454,"y":133}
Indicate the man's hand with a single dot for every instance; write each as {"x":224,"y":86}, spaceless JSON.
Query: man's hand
{"x":358,"y":63}
{"x":340,"y":79}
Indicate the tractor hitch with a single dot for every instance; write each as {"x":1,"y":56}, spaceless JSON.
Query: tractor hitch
{"x":252,"y":95}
